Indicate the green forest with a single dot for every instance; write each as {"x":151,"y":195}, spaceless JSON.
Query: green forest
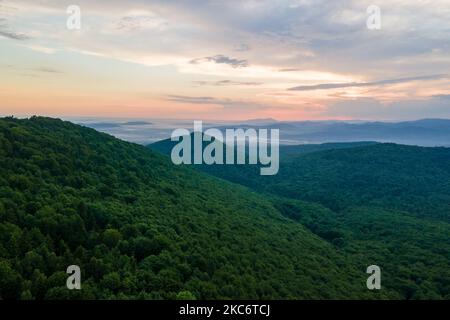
{"x":374,"y":202}
{"x":140,"y":227}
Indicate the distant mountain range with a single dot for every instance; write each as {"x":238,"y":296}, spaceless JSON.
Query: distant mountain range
{"x":425,"y":132}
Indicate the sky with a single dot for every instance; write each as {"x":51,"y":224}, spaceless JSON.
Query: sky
{"x":226,"y":60}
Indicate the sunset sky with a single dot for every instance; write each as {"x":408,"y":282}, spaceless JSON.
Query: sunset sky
{"x":226,"y":60}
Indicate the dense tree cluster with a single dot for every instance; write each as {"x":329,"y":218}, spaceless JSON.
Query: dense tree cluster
{"x":381,"y":204}
{"x":142,"y":228}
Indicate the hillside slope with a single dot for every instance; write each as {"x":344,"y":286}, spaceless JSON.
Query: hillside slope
{"x":385,"y":204}
{"x":139,"y":227}
{"x":412,"y":179}
{"x":341,"y":175}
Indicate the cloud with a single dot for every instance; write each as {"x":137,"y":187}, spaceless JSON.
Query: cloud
{"x":195,"y":100}
{"x":221,"y":59}
{"x":242,"y":47}
{"x":280,"y":44}
{"x":368,"y":108}
{"x":141,"y":21}
{"x":326,"y":86}
{"x":289,"y":70}
{"x":6,"y":32}
{"x":229,"y":104}
{"x":312,"y":35}
{"x":34,"y":70}
{"x":29,"y":75}
{"x":45,"y":70}
{"x":13,"y":35}
{"x":228,"y":83}
{"x":40,"y":49}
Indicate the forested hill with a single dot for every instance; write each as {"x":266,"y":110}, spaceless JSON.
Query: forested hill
{"x":342,"y":175}
{"x":140,"y":227}
{"x":385,"y":204}
{"x":407,"y":178}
